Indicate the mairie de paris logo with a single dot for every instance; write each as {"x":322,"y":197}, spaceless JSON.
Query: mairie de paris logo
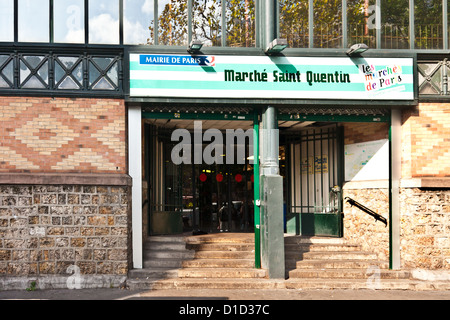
{"x":177,"y":60}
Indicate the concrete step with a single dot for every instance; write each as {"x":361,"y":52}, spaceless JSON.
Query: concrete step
{"x":370,"y":273}
{"x":224,"y":255}
{"x":337,"y":264}
{"x":351,"y":284}
{"x":163,"y":256}
{"x":383,"y":284}
{"x":186,"y":284}
{"x":295,"y":284}
{"x":291,"y":239}
{"x":163,"y":263}
{"x":339,"y":255}
{"x":141,"y":283}
{"x":153,"y":273}
{"x":174,"y":239}
{"x":222,"y":238}
{"x":166,"y":246}
{"x":290,"y":247}
{"x":218,"y":273}
{"x":168,"y":254}
{"x":219,"y":263}
{"x":223,"y":246}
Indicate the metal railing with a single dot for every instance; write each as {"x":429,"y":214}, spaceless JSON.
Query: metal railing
{"x":366,"y":210}
{"x":391,"y":36}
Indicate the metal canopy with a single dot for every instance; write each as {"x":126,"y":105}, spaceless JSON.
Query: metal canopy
{"x":295,"y":116}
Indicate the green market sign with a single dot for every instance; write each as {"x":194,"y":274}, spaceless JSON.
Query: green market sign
{"x":201,"y":76}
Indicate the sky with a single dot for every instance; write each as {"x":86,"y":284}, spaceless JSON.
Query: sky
{"x":69,"y":20}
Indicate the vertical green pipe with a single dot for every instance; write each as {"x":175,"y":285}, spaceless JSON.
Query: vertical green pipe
{"x":256,"y":190}
{"x":390,"y":197}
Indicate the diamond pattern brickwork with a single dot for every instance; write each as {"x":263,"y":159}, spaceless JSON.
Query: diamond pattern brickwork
{"x":426,"y":141}
{"x":62,"y":135}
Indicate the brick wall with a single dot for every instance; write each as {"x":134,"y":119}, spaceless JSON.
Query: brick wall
{"x":426,"y":141}
{"x":363,"y":132}
{"x":62,"y":135}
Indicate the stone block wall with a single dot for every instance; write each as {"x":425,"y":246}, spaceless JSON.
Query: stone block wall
{"x":425,"y":228}
{"x":53,"y":230}
{"x":424,"y":225}
{"x":361,"y":228}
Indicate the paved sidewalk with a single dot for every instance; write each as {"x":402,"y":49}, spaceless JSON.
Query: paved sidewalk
{"x":218,"y":294}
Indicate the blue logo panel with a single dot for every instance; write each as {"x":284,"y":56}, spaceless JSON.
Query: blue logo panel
{"x":172,"y":60}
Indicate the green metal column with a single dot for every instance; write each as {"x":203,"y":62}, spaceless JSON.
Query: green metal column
{"x":256,"y":190}
{"x":271,"y":193}
{"x":271,"y":183}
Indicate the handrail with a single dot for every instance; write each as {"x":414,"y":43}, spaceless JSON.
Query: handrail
{"x":366,"y":210}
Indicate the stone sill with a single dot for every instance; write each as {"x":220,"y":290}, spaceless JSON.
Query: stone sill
{"x":65,"y":179}
{"x":436,"y":183}
{"x":429,"y":182}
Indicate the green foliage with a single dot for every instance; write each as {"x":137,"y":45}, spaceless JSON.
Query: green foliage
{"x":32,"y":286}
{"x":294,"y":23}
{"x":206,"y":22}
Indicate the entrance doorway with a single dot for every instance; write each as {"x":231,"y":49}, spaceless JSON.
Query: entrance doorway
{"x":314,"y":179}
{"x":201,"y":197}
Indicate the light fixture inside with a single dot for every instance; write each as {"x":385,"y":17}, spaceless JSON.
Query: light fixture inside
{"x":357,"y":49}
{"x":195,"y":46}
{"x":276,"y":46}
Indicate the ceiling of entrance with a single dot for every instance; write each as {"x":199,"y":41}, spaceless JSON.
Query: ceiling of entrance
{"x":206,"y":124}
{"x":223,"y":124}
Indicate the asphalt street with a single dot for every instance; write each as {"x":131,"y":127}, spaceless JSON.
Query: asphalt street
{"x":217,"y":294}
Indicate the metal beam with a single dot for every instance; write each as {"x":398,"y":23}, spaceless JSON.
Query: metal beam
{"x":270,"y":141}
{"x":311,"y":23}
{"x":334,"y":118}
{"x":445,"y":24}
{"x":344,"y":24}
{"x":197,"y":116}
{"x":378,"y":23}
{"x":412,"y":39}
{"x":269,"y":22}
{"x":395,"y":142}
{"x":135,"y":171}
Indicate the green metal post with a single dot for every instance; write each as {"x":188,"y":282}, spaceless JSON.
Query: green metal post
{"x":256,"y":190}
{"x":390,"y":197}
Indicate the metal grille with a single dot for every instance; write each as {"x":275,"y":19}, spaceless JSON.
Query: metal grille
{"x":313,"y":170}
{"x":193,"y":108}
{"x":55,"y":73}
{"x":433,"y":79}
{"x":322,"y":110}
